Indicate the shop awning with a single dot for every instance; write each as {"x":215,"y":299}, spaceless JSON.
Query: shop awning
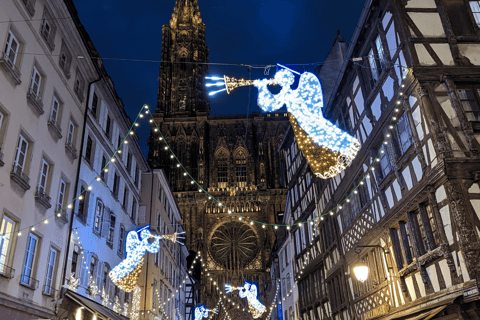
{"x":101,"y":311}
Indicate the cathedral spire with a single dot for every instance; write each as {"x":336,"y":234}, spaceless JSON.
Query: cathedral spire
{"x":181,"y":90}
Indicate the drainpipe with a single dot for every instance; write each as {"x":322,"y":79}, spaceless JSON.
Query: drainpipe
{"x":77,"y":180}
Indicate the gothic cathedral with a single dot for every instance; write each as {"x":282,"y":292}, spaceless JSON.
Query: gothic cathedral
{"x":235,"y":158}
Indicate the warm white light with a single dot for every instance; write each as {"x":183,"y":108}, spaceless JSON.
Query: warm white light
{"x":361,"y":271}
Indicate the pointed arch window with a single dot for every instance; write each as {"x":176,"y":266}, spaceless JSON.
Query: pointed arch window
{"x":241,"y":169}
{"x":222,"y":169}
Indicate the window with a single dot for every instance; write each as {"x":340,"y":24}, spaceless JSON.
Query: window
{"x":116,"y":184}
{"x":121,"y":240}
{"x":137,"y":177}
{"x":73,"y":267}
{"x":106,"y":271}
{"x":404,"y":133}
{"x":12,"y":48}
{"x":94,"y":105}
{"x":125,"y":197}
{"x":470,"y":101}
{"x":475,"y":7}
{"x":97,"y":222}
{"x":134,"y":209}
{"x":222,"y":170}
{"x":103,"y":170}
{"x":28,"y":264}
{"x":241,"y":168}
{"x":78,"y":85}
{"x":55,"y":110}
{"x":129,"y":163}
{"x":62,"y":191}
{"x":48,"y":29}
{"x":81,"y":202}
{"x":42,"y":181}
{"x":35,"y":83}
{"x":71,"y":133}
{"x":111,"y":230}
{"x":381,"y":52}
{"x":384,"y":162}
{"x":49,"y":278}
{"x":21,"y":154}
{"x":7,"y":229}
{"x":108,"y":127}
{"x":30,"y":5}
{"x":65,"y":60}
{"x":373,"y":65}
{"x":88,"y":150}
{"x":93,"y":264}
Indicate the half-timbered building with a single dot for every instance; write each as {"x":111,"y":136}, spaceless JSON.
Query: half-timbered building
{"x":408,"y":207}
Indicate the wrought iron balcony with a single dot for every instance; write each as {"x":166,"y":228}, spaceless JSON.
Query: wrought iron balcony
{"x":71,"y":150}
{"x":55,"y":128}
{"x":20,"y":177}
{"x":49,"y":291}
{"x":42,"y":197}
{"x":36,"y":101}
{"x":10,"y":68}
{"x":6,"y":271}
{"x":29,"y":282}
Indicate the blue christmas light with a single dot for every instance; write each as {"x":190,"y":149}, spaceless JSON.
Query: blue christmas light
{"x":249,"y":291}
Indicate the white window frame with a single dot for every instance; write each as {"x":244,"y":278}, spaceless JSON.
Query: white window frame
{"x":29,"y":262}
{"x":49,"y":276}
{"x":43,"y":179}
{"x":97,"y":220}
{"x":34,"y":83}
{"x":8,"y":48}
{"x":19,"y":153}
{"x":7,"y":229}
{"x":61,"y":194}
{"x":46,"y":33}
{"x":55,"y":110}
{"x":71,"y":132}
{"x":475,"y":8}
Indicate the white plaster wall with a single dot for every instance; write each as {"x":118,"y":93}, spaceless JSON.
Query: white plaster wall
{"x":470,"y":51}
{"x":428,"y":23}
{"x":421,"y":4}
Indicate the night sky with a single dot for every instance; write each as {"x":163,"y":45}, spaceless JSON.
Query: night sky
{"x":250,"y":32}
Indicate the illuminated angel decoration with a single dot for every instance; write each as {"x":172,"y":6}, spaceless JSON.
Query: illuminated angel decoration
{"x":328,"y":149}
{"x":249,"y":291}
{"x":125,"y":274}
{"x":201,"y":312}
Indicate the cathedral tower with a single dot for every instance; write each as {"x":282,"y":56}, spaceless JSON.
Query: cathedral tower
{"x":181,"y":82}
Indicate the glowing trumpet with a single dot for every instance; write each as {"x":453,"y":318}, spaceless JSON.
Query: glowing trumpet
{"x":232,"y":83}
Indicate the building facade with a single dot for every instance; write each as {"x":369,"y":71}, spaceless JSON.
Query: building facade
{"x":165,"y":276}
{"x":42,"y":105}
{"x":234,"y":158}
{"x":408,"y":205}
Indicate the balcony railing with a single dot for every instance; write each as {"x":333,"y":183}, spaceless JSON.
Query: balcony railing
{"x":11,"y":68}
{"x":42,"y":197}
{"x":29,"y":281}
{"x":49,"y":291}
{"x":20,"y":177}
{"x":6,"y":271}
{"x":35,"y":100}
{"x":55,"y":128}
{"x":71,"y":150}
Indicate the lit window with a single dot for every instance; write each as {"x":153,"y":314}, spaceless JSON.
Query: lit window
{"x":373,"y":65}
{"x":7,"y":229}
{"x":241,"y":169}
{"x":222,"y":170}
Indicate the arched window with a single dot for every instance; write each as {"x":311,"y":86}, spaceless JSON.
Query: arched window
{"x":241,"y":169}
{"x":222,"y":169}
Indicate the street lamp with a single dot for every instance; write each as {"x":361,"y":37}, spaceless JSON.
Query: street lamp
{"x":361,"y":269}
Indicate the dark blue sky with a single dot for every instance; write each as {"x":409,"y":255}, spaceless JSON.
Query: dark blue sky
{"x":239,"y":32}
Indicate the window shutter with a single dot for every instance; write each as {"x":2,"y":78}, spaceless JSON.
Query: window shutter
{"x":98,"y":278}
{"x":83,"y":273}
{"x":106,"y":221}
{"x":142,"y":211}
